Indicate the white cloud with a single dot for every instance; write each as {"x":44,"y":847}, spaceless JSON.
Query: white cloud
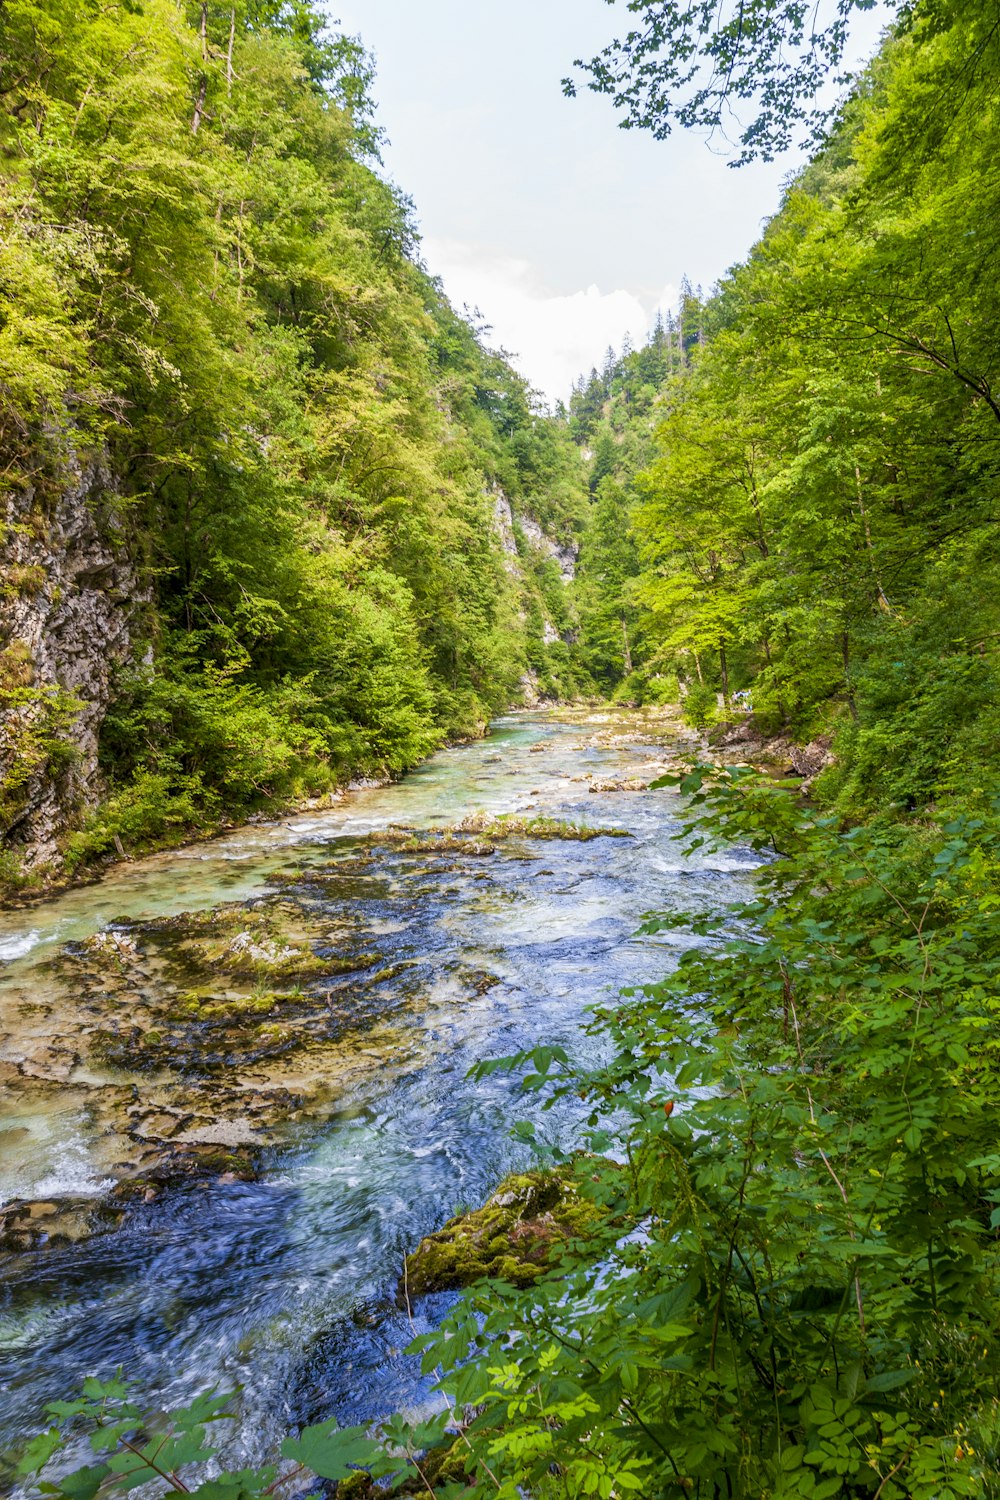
{"x":553,"y":336}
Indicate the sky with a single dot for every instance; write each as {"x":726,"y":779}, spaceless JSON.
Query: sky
{"x":564,"y":231}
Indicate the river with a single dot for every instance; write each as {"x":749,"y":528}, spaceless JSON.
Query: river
{"x":283,"y":1284}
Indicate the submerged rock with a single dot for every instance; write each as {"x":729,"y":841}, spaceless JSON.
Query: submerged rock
{"x":533,"y":826}
{"x":444,"y":1466}
{"x":629,"y":784}
{"x":30,"y":1224}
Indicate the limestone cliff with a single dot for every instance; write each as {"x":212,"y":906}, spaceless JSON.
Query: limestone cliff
{"x":70,"y":599}
{"x":524,"y":545}
{"x":564,"y":556}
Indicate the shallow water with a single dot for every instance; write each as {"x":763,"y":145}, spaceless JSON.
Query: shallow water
{"x":285,"y":1286}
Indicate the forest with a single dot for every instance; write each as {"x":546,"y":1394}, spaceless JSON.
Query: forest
{"x":217,"y":338}
{"x":784,"y":507}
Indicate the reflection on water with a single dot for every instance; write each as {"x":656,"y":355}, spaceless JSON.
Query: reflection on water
{"x":285,"y":1286}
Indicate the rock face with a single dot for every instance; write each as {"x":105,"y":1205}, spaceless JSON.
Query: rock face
{"x":564,"y":556}
{"x":503,"y":523}
{"x":748,"y":743}
{"x":70,"y":601}
{"x":539,"y":542}
{"x":809,"y":760}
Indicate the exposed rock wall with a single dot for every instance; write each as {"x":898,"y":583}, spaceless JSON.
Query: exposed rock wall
{"x":70,"y":600}
{"x":504,"y":522}
{"x":564,"y":556}
{"x":503,"y":525}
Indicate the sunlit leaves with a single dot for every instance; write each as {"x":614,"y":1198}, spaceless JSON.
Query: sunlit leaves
{"x":207,"y":292}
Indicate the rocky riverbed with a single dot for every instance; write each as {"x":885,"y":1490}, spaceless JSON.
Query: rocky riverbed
{"x":234,"y":1078}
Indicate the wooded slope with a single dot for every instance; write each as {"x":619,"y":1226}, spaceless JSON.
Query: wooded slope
{"x":229,"y":392}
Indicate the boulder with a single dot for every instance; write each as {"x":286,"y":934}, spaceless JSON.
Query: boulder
{"x":511,"y":1238}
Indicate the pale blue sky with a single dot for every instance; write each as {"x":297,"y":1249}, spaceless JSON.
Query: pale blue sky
{"x":562,"y":228}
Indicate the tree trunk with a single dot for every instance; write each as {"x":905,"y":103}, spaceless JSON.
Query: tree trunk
{"x":199,"y":104}
{"x":229,"y":52}
{"x":626,"y":651}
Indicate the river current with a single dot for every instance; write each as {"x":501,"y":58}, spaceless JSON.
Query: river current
{"x":284,"y":1286}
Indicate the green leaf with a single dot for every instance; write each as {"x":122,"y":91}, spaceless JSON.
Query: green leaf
{"x":889,"y":1380}
{"x":212,"y":1406}
{"x":330,"y":1451}
{"x":248,"y":1484}
{"x":84,"y":1483}
{"x":38,"y":1452}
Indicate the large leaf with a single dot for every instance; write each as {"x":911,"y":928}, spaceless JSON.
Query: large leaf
{"x":331,"y":1451}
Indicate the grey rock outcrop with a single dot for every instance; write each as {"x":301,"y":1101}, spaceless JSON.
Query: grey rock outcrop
{"x":70,"y":601}
{"x":503,"y":524}
{"x":564,"y":556}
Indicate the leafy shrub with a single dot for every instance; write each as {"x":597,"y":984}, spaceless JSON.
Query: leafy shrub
{"x":700,"y":707}
{"x":928,"y":724}
{"x":134,"y":1448}
{"x":155,"y":807}
{"x":807,"y":1302}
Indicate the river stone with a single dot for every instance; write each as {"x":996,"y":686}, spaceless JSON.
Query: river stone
{"x":29,"y":1224}
{"x":629,"y":784}
{"x":220,"y":1133}
{"x":511,"y":1238}
{"x":443,"y":1466}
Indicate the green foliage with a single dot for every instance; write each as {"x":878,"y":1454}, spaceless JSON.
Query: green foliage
{"x":807,"y":1303}
{"x":814,"y":521}
{"x":800,"y":1294}
{"x":696,"y":63}
{"x":614,"y":414}
{"x":170,"y":1451}
{"x":700,"y":706}
{"x":609,"y":641}
{"x":37,"y":719}
{"x":153,"y":808}
{"x":203,"y":280}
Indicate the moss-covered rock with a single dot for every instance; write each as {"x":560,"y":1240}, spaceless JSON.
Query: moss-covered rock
{"x":519,"y":825}
{"x":27,"y":1224}
{"x":628,"y":784}
{"x":511,"y":1238}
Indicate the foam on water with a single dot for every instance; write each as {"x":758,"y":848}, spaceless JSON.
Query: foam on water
{"x":50,"y":1165}
{"x":72,"y":1176}
{"x":19,"y":944}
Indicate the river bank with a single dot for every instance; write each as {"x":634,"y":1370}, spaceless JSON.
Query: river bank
{"x":730,"y":743}
{"x":49,"y":881}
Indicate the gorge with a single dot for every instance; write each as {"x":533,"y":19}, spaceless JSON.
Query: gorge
{"x":402,"y":782}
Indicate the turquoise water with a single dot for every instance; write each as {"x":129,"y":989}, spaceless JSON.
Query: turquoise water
{"x":285,"y":1286}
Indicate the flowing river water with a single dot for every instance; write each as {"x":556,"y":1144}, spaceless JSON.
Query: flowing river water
{"x":281,"y":1280}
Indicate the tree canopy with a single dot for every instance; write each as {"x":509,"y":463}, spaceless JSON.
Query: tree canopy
{"x":762,"y":75}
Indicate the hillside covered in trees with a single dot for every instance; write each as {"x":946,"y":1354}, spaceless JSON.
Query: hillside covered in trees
{"x":258,"y":474}
{"x":808,"y":457}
